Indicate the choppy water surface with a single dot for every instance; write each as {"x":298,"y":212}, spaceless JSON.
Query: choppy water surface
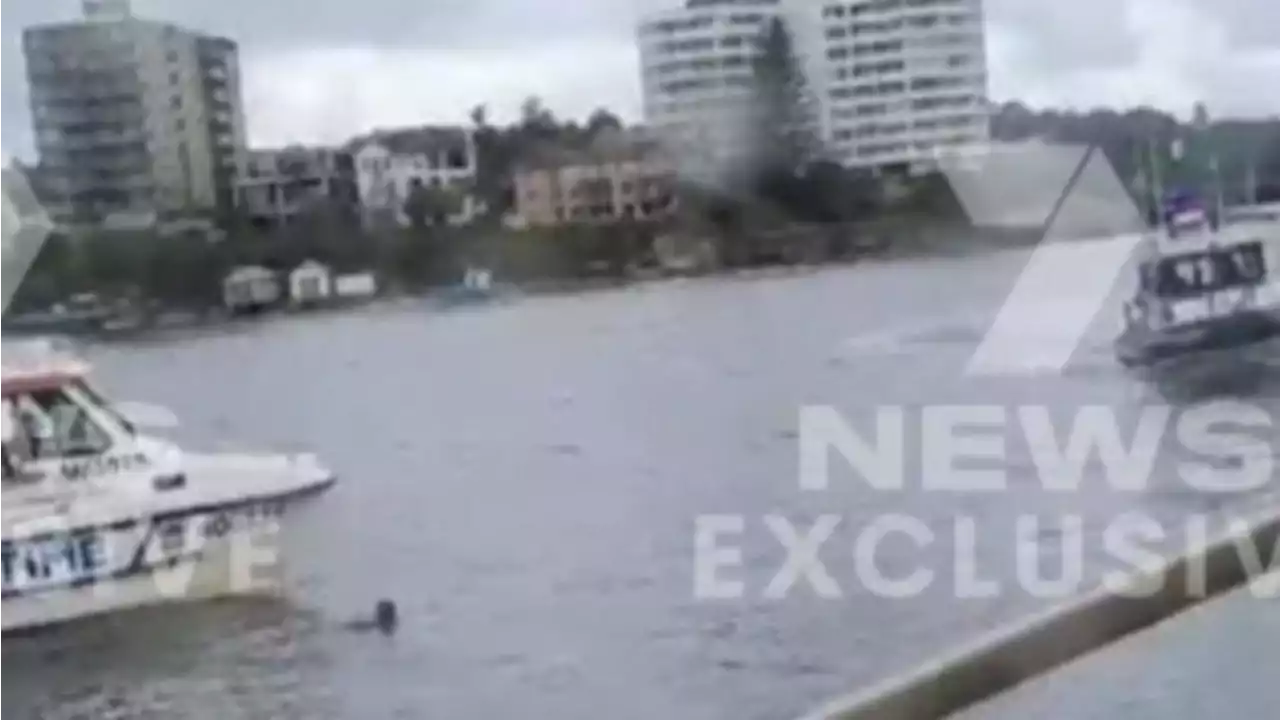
{"x":525,"y":480}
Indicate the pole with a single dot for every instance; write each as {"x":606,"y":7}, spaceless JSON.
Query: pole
{"x":1157,"y":182}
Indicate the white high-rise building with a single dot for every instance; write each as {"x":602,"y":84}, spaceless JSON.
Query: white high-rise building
{"x":894,"y":80}
{"x":696,"y":71}
{"x":906,"y":79}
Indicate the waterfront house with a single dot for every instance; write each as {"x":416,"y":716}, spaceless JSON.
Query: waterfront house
{"x":391,"y":164}
{"x":620,"y":175}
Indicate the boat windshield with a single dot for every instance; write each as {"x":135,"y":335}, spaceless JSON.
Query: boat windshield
{"x":1197,"y":273}
{"x":100,"y":403}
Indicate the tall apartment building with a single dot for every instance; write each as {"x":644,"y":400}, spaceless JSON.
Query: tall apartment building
{"x":894,"y":80}
{"x":135,"y":120}
{"x":905,"y":79}
{"x":696,"y":73}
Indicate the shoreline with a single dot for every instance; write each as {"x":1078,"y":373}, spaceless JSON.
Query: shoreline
{"x":185,"y":323}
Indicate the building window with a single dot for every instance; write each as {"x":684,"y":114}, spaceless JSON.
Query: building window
{"x":180,"y":125}
{"x":175,"y":78}
{"x":175,"y":102}
{"x":172,"y":57}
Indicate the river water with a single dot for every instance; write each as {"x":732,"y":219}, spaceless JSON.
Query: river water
{"x":526,"y":479}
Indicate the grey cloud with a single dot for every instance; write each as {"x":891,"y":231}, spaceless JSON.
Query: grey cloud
{"x":1057,"y":38}
{"x":275,"y":26}
{"x":1250,"y":23}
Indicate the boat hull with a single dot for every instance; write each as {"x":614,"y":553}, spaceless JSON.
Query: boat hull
{"x":1141,"y":346}
{"x":191,"y":554}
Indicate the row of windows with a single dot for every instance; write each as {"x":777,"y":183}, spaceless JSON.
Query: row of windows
{"x":894,"y":87}
{"x":700,"y":22}
{"x":884,"y":47}
{"x":880,"y":47}
{"x":715,"y":105}
{"x":453,"y":160}
{"x":889,"y":87}
{"x":681,"y":25}
{"x":877,"y":109}
{"x":672,"y":67}
{"x":867,"y":7}
{"x":901,"y":148}
{"x":606,"y":188}
{"x":677,"y":87}
{"x":704,"y":45}
{"x":888,"y":67}
{"x":883,"y":67}
{"x":880,"y":27}
{"x":897,"y":128}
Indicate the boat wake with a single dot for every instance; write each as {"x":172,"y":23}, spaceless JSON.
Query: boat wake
{"x":961,"y":335}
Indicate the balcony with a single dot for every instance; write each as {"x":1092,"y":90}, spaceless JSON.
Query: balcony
{"x":133,"y":139}
{"x":116,"y":161}
{"x":84,"y":84}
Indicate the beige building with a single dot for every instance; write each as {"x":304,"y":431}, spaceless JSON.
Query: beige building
{"x":616,"y":178}
{"x":134,"y":120}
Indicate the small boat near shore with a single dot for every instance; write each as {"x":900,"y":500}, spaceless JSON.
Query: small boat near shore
{"x":98,"y":517}
{"x":1202,"y":287}
{"x":477,"y":288}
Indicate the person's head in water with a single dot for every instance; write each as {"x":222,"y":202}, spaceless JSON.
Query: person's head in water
{"x":385,"y":616}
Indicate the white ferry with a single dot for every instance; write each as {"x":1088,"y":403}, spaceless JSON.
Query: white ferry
{"x":1202,"y":288}
{"x":99,"y":518}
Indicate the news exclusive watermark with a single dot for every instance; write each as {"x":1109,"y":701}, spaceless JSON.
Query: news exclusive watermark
{"x":1220,"y":448}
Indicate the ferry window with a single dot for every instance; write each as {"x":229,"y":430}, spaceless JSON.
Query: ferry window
{"x":58,"y":427}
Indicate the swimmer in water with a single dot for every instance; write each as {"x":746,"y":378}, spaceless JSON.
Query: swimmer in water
{"x":385,"y":619}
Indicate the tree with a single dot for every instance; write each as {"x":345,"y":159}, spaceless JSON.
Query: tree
{"x":786,"y":134}
{"x":430,"y":204}
{"x":536,"y":121}
{"x":480,"y":117}
{"x":602,"y":120}
{"x":417,"y":205}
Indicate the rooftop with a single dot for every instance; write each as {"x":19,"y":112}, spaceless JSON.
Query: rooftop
{"x":428,"y":139}
{"x":616,"y":146}
{"x":39,"y":364}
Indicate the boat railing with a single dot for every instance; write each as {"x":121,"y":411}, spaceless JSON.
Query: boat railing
{"x":1000,"y":663}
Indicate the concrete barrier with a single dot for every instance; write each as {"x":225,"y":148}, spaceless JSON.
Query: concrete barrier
{"x":1006,"y":660}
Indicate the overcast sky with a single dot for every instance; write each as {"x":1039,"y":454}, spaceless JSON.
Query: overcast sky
{"x":323,"y":70}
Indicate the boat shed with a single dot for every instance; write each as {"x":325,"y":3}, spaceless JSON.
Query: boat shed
{"x":250,"y":288}
{"x":310,"y":283}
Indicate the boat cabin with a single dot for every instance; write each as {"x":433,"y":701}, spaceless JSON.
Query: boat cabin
{"x":58,"y":431}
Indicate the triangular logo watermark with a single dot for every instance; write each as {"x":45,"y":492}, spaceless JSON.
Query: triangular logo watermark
{"x":1090,"y":229}
{"x":24,"y":230}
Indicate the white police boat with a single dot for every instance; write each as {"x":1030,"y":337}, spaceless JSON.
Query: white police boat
{"x":99,"y":518}
{"x":1201,"y":287}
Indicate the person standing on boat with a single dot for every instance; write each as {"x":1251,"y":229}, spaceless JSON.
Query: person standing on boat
{"x":16,"y":442}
